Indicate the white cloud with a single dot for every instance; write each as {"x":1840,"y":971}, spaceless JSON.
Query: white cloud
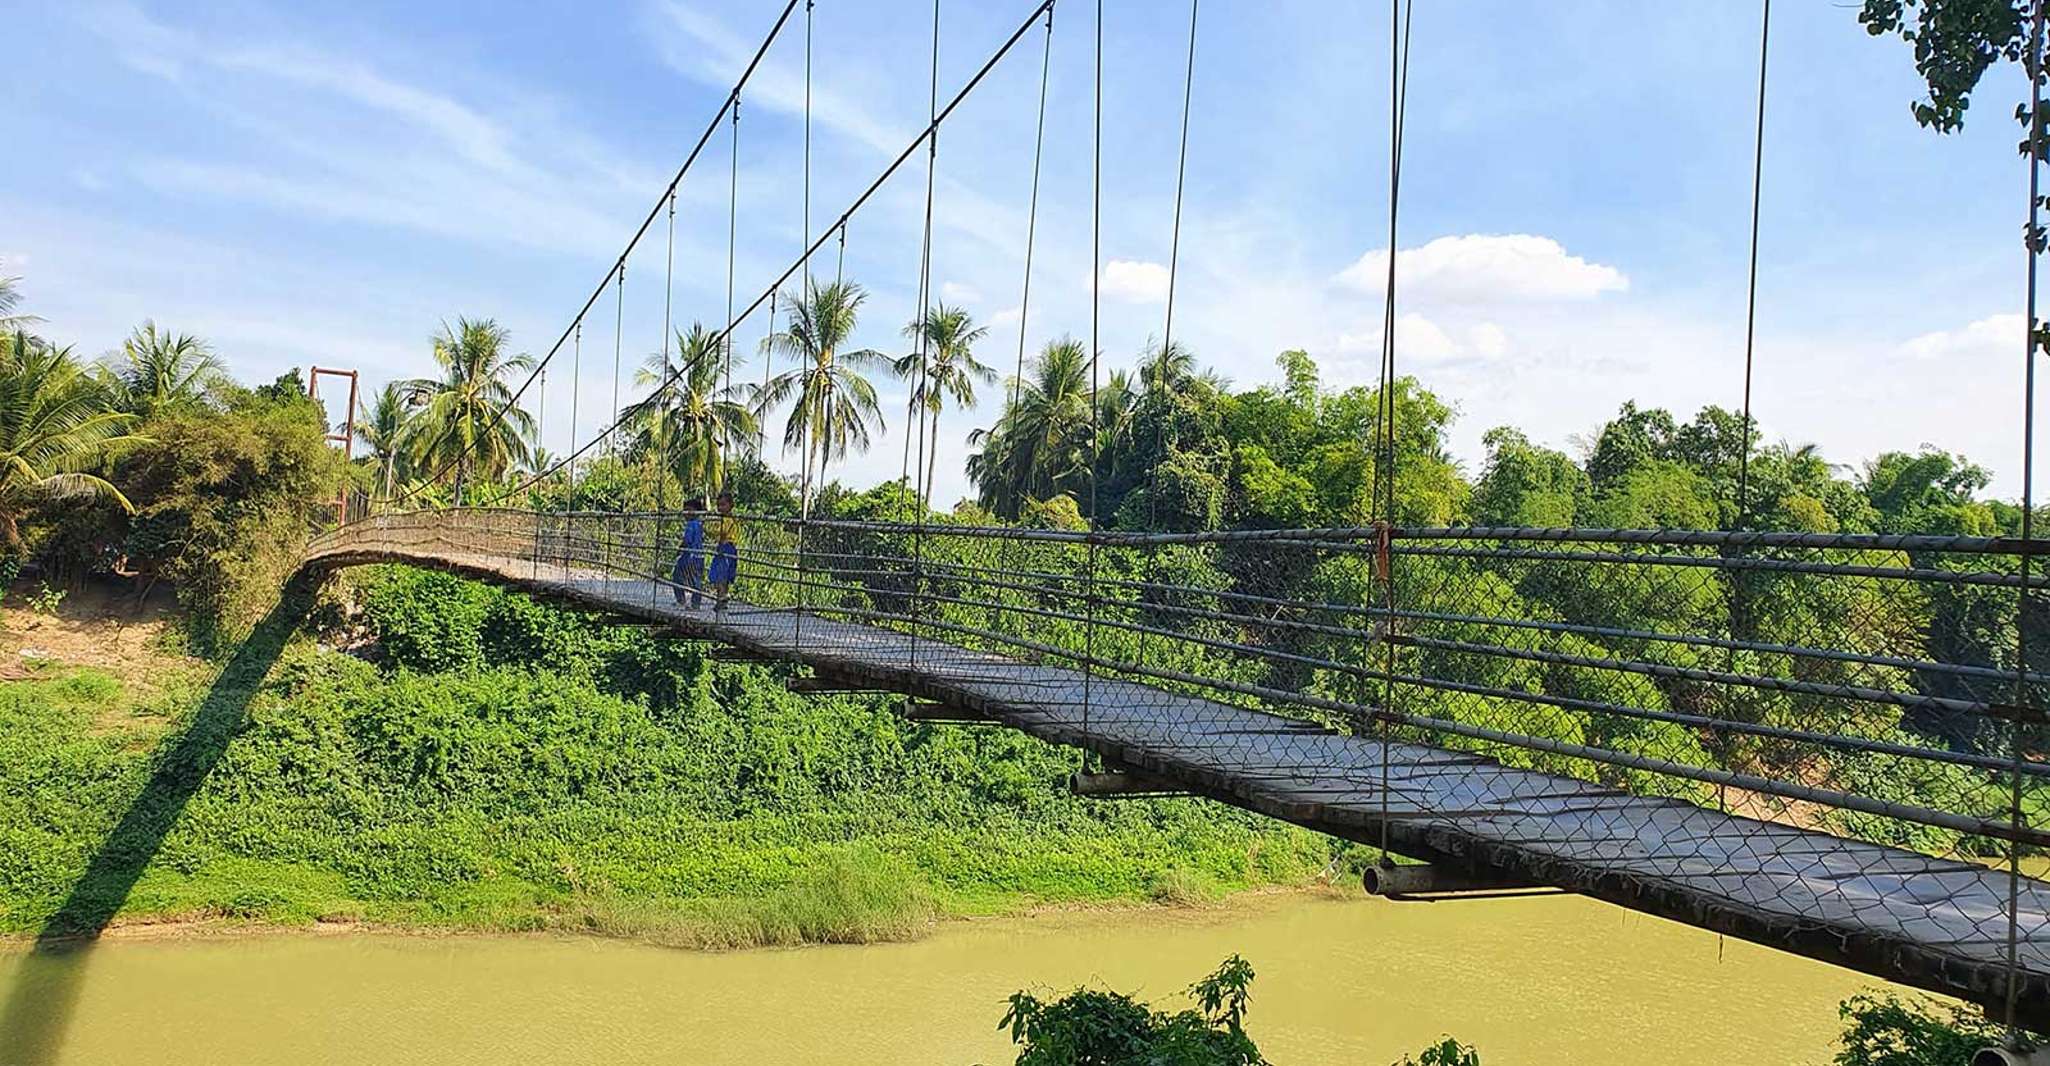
{"x":1489,"y":340}
{"x":1423,"y":341}
{"x":1135,"y":281}
{"x":1486,"y":268}
{"x":960,"y":293}
{"x":1995,"y":336}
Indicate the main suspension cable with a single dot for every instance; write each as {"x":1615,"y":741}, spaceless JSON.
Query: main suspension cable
{"x":874,"y":186}
{"x":598,"y":291}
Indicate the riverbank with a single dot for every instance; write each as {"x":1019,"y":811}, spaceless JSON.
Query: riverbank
{"x":1056,"y":915}
{"x":479,"y":761}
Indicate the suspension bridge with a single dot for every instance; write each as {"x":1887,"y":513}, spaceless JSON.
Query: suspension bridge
{"x":1825,"y":743}
{"x":1184,"y":689}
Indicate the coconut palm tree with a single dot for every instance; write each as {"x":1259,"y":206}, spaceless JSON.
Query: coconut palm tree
{"x":383,"y":430}
{"x":55,"y":426}
{"x":1040,"y":445}
{"x":835,"y":407}
{"x":10,"y":298}
{"x":1117,"y":404}
{"x":1168,"y":368}
{"x":465,"y":419}
{"x":156,"y":371}
{"x":944,"y":367}
{"x":689,"y":421}
{"x":540,"y":461}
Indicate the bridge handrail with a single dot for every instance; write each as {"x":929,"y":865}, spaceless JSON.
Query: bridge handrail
{"x":1325,"y":535}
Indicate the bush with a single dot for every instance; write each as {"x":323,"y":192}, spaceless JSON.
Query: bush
{"x":507,"y":764}
{"x":225,"y":501}
{"x":1090,"y":1026}
{"x":1882,"y":1029}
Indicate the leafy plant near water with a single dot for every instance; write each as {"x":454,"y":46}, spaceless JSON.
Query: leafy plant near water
{"x":1447,"y":1052}
{"x":1093,"y":1027}
{"x":1883,"y":1029}
{"x":1089,"y":1026}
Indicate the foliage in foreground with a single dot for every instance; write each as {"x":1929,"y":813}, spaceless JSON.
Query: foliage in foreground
{"x":1093,"y":1027}
{"x":1883,"y":1029}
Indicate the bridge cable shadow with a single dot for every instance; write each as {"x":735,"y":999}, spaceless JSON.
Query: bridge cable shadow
{"x":49,"y":978}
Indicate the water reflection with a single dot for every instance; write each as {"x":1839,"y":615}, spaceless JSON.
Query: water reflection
{"x":40,"y":997}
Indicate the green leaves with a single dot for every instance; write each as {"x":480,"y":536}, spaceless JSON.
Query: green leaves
{"x":1883,"y":1029}
{"x":1090,"y":1027}
{"x":1955,"y":42}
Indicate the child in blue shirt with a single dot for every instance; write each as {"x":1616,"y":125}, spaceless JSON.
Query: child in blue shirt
{"x":689,"y":571}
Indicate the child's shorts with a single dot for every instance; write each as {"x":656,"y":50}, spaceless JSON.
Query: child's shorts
{"x":725,"y":564}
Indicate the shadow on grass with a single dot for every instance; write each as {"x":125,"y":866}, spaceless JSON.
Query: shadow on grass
{"x":48,"y":979}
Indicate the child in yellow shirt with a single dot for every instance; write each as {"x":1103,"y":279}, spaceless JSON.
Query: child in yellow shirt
{"x":724,"y":531}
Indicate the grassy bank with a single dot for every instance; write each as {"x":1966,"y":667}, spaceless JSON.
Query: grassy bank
{"x":483,"y":761}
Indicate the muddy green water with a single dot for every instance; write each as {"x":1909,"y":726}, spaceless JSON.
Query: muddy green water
{"x":1532,"y":981}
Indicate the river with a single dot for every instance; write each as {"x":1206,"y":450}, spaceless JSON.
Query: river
{"x":1531,"y":981}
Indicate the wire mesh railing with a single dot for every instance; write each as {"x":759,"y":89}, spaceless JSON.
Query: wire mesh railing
{"x":1861,"y":684}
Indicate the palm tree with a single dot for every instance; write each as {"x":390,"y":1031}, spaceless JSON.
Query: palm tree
{"x":384,"y":432}
{"x":157,"y":371}
{"x":1040,"y":445}
{"x":1117,"y":405}
{"x":689,"y":420}
{"x":1168,"y":368}
{"x":10,"y":298}
{"x":55,"y":425}
{"x":948,"y":368}
{"x":835,"y":407}
{"x":466,"y":418}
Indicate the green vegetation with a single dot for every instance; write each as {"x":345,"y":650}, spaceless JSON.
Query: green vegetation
{"x":684,"y":425}
{"x":1089,"y":1026}
{"x":464,"y":421}
{"x":941,"y":366}
{"x":832,"y":405}
{"x":1882,"y":1029}
{"x":504,"y":764}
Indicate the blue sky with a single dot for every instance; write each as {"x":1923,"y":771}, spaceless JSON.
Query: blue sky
{"x":328,"y":183}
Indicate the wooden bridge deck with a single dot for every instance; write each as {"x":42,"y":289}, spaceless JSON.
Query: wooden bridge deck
{"x":1892,"y":913}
